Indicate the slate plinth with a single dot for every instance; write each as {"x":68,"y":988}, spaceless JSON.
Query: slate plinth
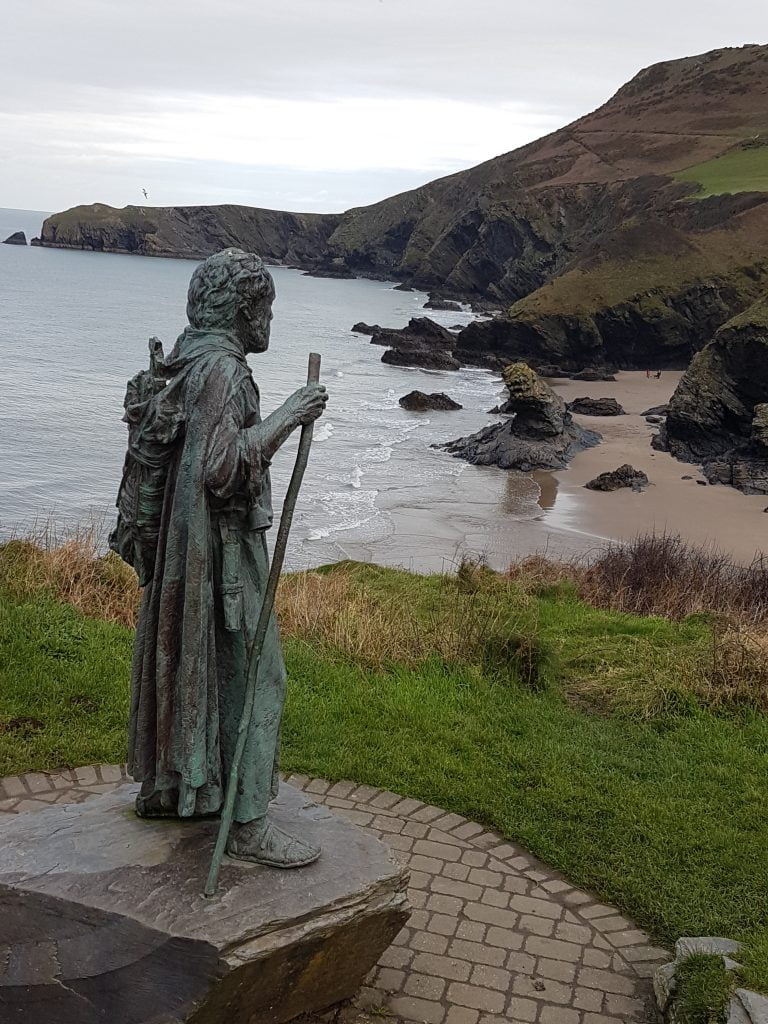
{"x":102,"y":918}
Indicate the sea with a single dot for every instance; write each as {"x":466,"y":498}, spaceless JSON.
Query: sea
{"x":75,"y":326}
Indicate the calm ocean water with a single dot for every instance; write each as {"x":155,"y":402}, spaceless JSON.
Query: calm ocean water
{"x":74,"y":328}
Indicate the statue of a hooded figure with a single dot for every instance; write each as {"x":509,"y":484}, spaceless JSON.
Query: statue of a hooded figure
{"x":194,"y":508}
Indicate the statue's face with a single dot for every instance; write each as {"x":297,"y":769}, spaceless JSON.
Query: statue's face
{"x":252,"y":324}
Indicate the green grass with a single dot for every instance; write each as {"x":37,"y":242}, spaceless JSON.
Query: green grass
{"x":665,"y":814}
{"x":703,"y":990}
{"x":740,"y":170}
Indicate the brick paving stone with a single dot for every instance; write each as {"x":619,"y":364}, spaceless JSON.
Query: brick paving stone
{"x":443,"y":924}
{"x":503,"y":937}
{"x":442,"y":967}
{"x":474,"y":858}
{"x":596,"y":910}
{"x":491,"y":939}
{"x":544,"y":989}
{"x":478,"y":952}
{"x":573,"y":933}
{"x":429,"y":942}
{"x":450,"y":887}
{"x":473,"y":931}
{"x":588,"y":999}
{"x":555,"y":969}
{"x":559,"y":1015}
{"x":389,"y":979}
{"x":462,"y":1015}
{"x":411,"y":1008}
{"x":459,"y":872}
{"x":555,"y":949}
{"x":476,"y":997}
{"x":471,"y":828}
{"x":536,"y":925}
{"x":491,"y":977}
{"x":522,"y":1009}
{"x":425,"y":986}
{"x":606,"y":981}
{"x":621,"y":1006}
{"x":495,"y":898}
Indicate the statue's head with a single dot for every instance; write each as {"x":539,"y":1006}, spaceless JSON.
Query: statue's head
{"x":233,"y":291}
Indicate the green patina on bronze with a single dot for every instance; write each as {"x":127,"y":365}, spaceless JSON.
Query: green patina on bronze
{"x":194,"y":507}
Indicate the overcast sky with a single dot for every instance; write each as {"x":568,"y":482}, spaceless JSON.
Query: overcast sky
{"x":310,"y":104}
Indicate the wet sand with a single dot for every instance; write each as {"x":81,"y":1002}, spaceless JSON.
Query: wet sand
{"x":506,"y":515}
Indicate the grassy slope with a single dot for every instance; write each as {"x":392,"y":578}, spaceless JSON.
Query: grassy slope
{"x":666,"y":817}
{"x":739,"y":170}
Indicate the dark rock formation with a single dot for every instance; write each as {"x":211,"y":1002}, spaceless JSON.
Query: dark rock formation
{"x":363,"y":328}
{"x":654,"y":419}
{"x":421,"y":343}
{"x":444,"y":304}
{"x":656,"y":410}
{"x":540,"y":435}
{"x":418,"y":401}
{"x":596,"y":407}
{"x":17,"y":238}
{"x":624,"y":476}
{"x":718,"y":415}
{"x":592,"y":374}
{"x":403,"y":287}
{"x":425,"y":359}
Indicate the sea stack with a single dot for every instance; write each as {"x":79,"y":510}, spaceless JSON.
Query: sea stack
{"x":540,"y":435}
{"x":17,"y":238}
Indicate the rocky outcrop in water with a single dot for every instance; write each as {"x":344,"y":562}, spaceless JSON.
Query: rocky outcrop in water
{"x":718,"y":415}
{"x":596,"y":407}
{"x":17,"y":238}
{"x":418,"y":401}
{"x":362,"y":328}
{"x":422,"y":343}
{"x":445,"y":304}
{"x":624,"y":476}
{"x":541,"y":433}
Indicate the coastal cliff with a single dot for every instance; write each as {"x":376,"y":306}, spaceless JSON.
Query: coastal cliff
{"x":627,"y":237}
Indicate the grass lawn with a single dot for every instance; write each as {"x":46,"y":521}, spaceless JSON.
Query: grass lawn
{"x":740,"y":170}
{"x":657,"y":804}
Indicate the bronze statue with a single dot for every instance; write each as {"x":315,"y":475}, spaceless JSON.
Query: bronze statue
{"x":194,"y":506}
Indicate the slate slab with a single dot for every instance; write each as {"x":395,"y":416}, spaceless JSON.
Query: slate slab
{"x":103,"y":918}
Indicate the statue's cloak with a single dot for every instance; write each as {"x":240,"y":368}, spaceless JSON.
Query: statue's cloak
{"x":200,"y":609}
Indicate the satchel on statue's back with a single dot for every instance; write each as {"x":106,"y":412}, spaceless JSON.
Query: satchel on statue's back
{"x":155,"y":425}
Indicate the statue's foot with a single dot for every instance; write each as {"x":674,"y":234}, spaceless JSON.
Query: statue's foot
{"x":262,"y":842}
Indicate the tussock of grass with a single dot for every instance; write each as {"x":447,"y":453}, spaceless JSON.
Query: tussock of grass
{"x":703,"y":990}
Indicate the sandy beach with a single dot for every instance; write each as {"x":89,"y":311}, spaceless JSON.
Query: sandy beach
{"x":485,"y":511}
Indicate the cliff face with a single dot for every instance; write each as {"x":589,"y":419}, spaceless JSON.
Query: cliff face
{"x":592,"y":235}
{"x":718,"y":415}
{"x":190,"y":232}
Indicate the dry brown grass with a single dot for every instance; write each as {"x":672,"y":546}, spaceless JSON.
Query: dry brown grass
{"x":71,"y":568}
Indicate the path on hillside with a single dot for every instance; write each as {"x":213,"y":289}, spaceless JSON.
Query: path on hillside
{"x":494,"y":936}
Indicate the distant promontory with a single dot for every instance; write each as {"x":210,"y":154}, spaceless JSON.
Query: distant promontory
{"x":626,"y":238}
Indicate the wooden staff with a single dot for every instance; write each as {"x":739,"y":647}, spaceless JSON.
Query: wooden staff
{"x":254,"y":652}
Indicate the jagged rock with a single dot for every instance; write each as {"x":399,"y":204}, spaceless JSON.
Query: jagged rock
{"x":36,"y":241}
{"x":418,"y":401}
{"x":718,"y":415}
{"x":624,"y":476}
{"x":547,"y":370}
{"x":444,"y":304}
{"x":363,"y":328}
{"x":540,"y":435}
{"x":656,"y":410}
{"x":403,"y":287}
{"x":592,"y":373}
{"x":596,"y":407}
{"x":654,"y":419}
{"x":425,"y":359}
{"x":17,"y":238}
{"x":421,"y":343}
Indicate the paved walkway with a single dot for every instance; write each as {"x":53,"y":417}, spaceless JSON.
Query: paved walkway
{"x":494,"y":936}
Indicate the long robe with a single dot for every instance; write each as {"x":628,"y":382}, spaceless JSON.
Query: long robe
{"x":200,"y":609}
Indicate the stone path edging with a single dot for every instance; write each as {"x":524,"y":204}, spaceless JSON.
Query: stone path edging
{"x":494,"y":936}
